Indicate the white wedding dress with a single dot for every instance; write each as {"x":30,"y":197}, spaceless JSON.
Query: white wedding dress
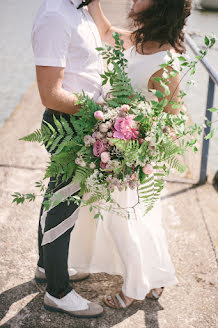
{"x":136,"y":248}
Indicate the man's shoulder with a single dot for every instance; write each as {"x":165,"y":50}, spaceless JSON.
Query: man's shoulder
{"x":58,"y":8}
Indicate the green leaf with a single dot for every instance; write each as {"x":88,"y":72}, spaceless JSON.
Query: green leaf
{"x":209,"y":135}
{"x":213,"y":109}
{"x":157,"y":93}
{"x":206,"y":41}
{"x":164,"y":102}
{"x":181,"y":58}
{"x":192,"y":71}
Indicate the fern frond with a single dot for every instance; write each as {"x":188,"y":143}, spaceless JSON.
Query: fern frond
{"x":127,"y":146}
{"x":64,"y":143}
{"x":170,"y":149}
{"x":150,"y":191}
{"x":81,"y":174}
{"x":58,"y":125}
{"x":94,"y":198}
{"x":66,"y":126}
{"x":175,"y":163}
{"x":36,"y":136}
{"x":55,"y":143}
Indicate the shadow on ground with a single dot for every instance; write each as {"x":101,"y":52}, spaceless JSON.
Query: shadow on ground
{"x":33,"y":314}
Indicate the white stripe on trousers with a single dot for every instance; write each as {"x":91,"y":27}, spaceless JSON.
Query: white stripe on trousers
{"x":57,"y":231}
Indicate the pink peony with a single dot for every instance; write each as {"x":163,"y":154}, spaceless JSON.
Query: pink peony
{"x":99,"y":115}
{"x":147,"y":169}
{"x":125,"y":108}
{"x":125,"y":128}
{"x":105,"y":157}
{"x":98,"y":148}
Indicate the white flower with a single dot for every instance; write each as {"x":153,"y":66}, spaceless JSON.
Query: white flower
{"x":109,"y":134}
{"x":105,"y":157}
{"x":103,"y":127}
{"x":78,"y":160}
{"x":99,"y":135}
{"x":87,"y":140}
{"x":83,"y":164}
{"x":109,"y":124}
{"x":92,"y":165}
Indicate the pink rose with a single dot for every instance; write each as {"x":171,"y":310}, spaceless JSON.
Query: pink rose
{"x":147,"y":169}
{"x":125,"y":108}
{"x":99,"y":115}
{"x":98,"y":148}
{"x":105,"y":157}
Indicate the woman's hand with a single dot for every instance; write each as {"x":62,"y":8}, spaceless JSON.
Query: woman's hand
{"x":104,"y":26}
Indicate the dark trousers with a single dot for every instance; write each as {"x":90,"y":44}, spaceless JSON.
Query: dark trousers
{"x":53,"y":257}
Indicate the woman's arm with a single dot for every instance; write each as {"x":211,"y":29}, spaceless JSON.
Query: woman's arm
{"x":173,"y":85}
{"x":104,"y":26}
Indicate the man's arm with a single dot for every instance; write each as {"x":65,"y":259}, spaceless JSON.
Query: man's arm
{"x":104,"y":26}
{"x":52,"y":94}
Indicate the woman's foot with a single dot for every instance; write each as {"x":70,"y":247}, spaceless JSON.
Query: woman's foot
{"x":155,"y":293}
{"x":118,"y":301}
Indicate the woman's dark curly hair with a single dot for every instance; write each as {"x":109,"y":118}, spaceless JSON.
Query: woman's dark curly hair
{"x":162,"y":22}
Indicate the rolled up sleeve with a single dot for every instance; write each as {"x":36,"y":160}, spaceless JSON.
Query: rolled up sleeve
{"x":50,"y":40}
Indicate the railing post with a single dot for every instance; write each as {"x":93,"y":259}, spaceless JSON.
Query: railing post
{"x":207,"y":129}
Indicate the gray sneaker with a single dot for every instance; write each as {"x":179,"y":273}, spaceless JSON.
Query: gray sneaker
{"x":72,"y":304}
{"x":40,"y":276}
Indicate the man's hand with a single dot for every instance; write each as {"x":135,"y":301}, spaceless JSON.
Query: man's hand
{"x":52,"y":94}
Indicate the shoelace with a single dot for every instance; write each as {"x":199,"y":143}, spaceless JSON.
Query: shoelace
{"x":79,"y":297}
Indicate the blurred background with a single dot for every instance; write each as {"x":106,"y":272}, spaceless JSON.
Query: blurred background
{"x":17,"y":64}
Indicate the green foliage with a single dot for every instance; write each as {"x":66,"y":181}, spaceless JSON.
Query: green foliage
{"x":81,"y":174}
{"x":36,"y":136}
{"x":20,"y":198}
{"x":61,"y":165}
{"x":65,"y":141}
{"x":149,"y":191}
{"x":175,"y":163}
{"x":170,"y":149}
{"x":121,"y":89}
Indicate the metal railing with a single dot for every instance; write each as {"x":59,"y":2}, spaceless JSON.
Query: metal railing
{"x":213,"y":81}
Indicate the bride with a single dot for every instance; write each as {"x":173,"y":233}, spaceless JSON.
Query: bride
{"x":136,"y":248}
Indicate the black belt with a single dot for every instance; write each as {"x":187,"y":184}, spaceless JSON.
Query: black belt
{"x":56,"y":112}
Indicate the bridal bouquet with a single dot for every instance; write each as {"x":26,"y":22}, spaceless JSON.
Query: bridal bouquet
{"x":127,"y":142}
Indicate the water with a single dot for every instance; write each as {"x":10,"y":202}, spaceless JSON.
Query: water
{"x":17,"y":70}
{"x":17,"y":65}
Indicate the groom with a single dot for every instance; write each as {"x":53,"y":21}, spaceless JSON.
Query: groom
{"x":64,"y":40}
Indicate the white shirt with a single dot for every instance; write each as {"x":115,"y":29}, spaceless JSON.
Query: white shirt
{"x":64,"y":36}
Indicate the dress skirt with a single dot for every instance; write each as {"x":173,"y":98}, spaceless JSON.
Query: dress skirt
{"x":134,"y":248}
